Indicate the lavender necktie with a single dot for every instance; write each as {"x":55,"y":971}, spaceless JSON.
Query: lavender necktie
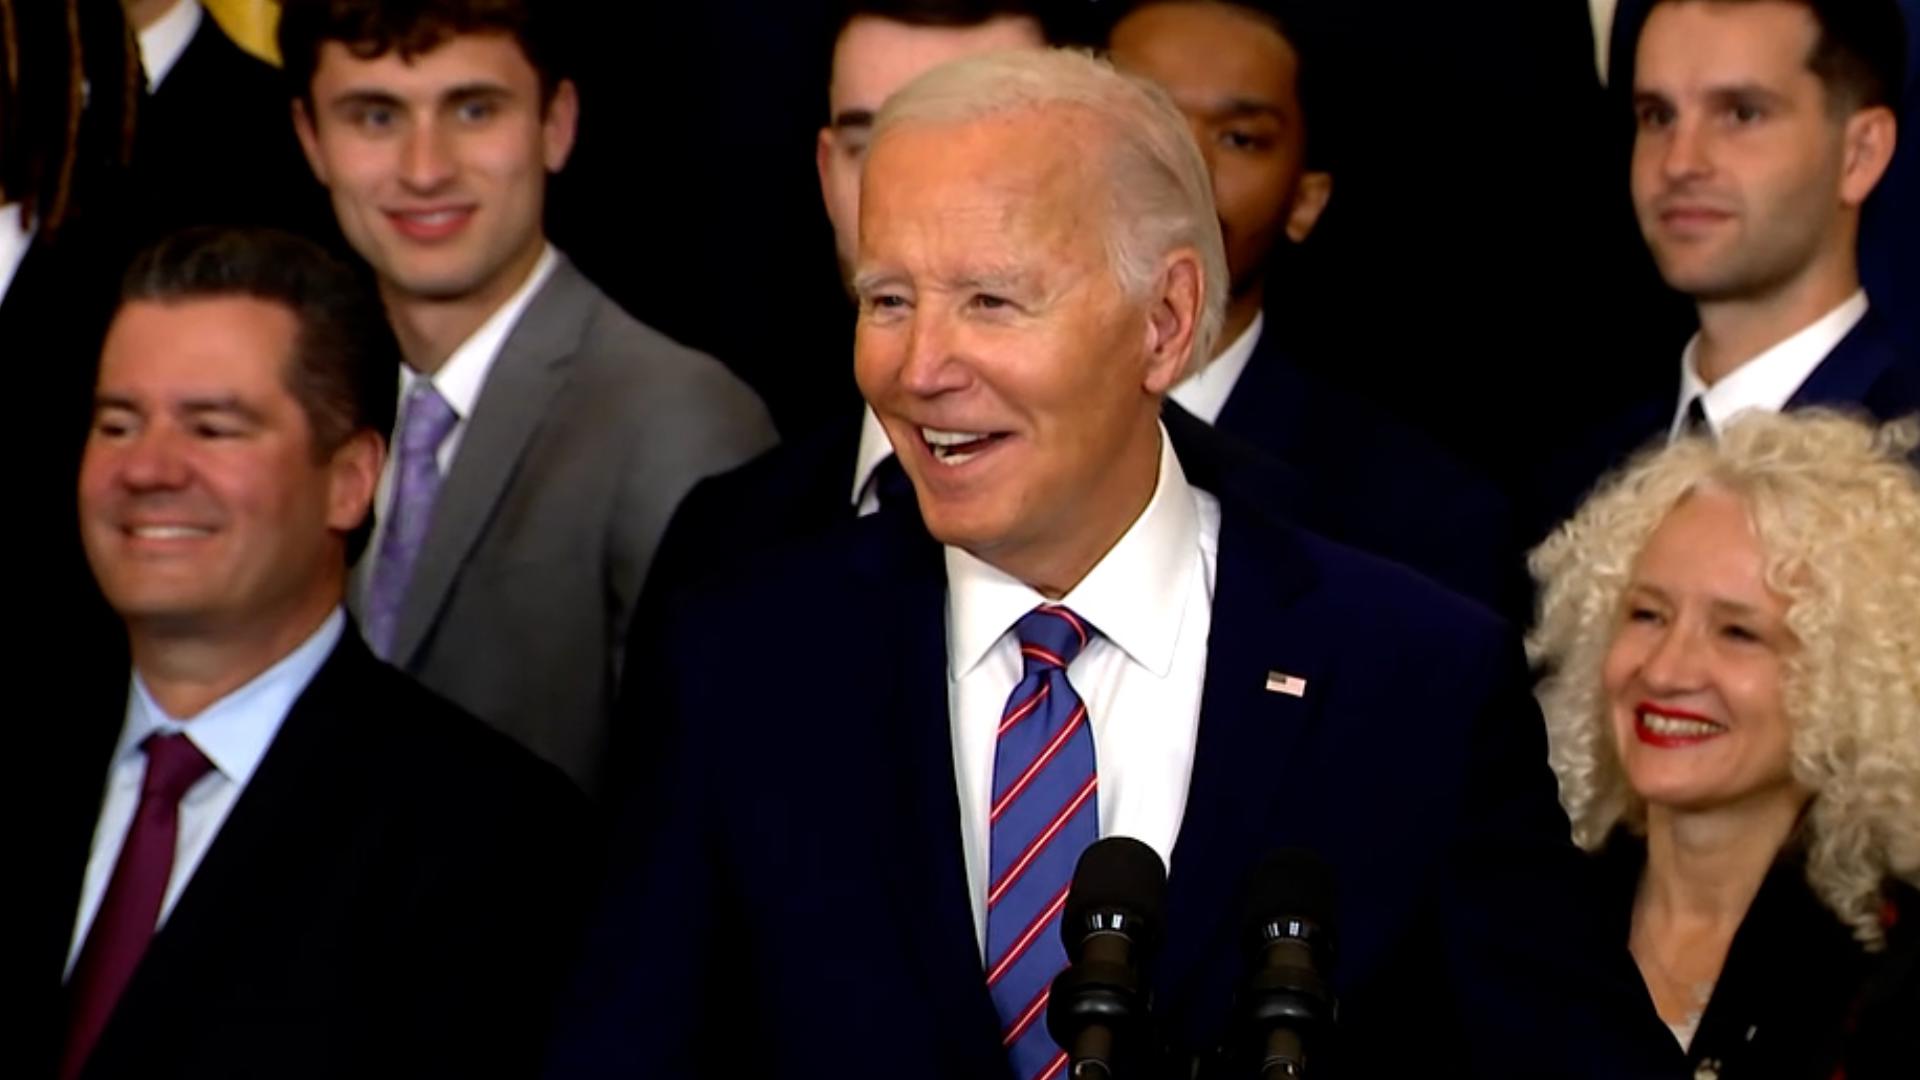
{"x":425,"y":422}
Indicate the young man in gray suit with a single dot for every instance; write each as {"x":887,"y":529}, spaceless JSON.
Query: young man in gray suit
{"x":545,"y":436}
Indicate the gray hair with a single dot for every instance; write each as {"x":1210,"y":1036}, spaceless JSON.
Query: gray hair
{"x":1161,"y":195}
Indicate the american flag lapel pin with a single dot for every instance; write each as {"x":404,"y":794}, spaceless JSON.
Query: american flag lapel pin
{"x":1279,"y":682}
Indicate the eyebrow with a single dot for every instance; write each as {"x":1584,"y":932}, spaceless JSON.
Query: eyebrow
{"x":1236,"y":108}
{"x":852,"y":118}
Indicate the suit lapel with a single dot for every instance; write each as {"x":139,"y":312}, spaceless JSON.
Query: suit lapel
{"x":1261,"y":698}
{"x":277,"y":830}
{"x":530,"y":368}
{"x":1847,"y":375}
{"x":929,"y":879}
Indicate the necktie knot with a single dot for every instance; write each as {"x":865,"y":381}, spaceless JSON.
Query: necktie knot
{"x":427,"y":421}
{"x":174,"y":764}
{"x":1050,"y":637}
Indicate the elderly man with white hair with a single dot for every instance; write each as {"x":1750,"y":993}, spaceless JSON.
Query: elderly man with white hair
{"x":879,"y":753}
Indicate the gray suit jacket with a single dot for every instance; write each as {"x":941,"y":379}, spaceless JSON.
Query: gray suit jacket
{"x":590,"y":428}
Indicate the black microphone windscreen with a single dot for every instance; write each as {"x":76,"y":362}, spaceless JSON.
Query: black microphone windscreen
{"x":1118,"y":873}
{"x":1293,"y":882}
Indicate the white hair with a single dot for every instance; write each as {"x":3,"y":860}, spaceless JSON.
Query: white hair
{"x":1160,"y":193}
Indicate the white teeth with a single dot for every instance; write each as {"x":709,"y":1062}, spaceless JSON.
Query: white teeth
{"x":1670,"y":725}
{"x":168,"y":532}
{"x":437,"y":217}
{"x":955,"y":459}
{"x":936,"y":437}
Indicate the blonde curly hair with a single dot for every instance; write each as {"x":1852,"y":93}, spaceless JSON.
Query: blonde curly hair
{"x":1835,"y":504}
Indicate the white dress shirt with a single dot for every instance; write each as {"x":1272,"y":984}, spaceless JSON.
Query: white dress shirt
{"x":162,"y":43}
{"x":1602,"y":13}
{"x":15,"y":238}
{"x":459,"y":381}
{"x":1768,"y":381}
{"x":1151,"y":601}
{"x":874,"y":448}
{"x":1205,"y":392}
{"x":233,"y":733}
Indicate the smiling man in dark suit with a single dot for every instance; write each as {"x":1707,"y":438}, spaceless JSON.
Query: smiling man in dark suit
{"x":1762,"y":128}
{"x":545,"y":436}
{"x":261,"y":852}
{"x":880,"y":751}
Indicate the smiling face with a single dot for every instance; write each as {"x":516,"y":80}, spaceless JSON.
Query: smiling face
{"x":437,"y":165}
{"x":1693,"y":676}
{"x":1237,"y":81}
{"x":204,"y":506}
{"x":1745,"y":180}
{"x":1017,"y":380}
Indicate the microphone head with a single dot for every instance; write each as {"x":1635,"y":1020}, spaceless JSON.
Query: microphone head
{"x":1118,"y":885}
{"x":1290,"y":886}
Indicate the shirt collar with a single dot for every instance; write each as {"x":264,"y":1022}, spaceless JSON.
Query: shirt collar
{"x":464,"y":375}
{"x":235,"y":731}
{"x":1769,"y":380}
{"x":1205,"y":392}
{"x":874,"y":448}
{"x":162,"y":44}
{"x":14,"y":241}
{"x":1134,"y":595}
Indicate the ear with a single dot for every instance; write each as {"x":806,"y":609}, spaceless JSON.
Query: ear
{"x":560,"y":124}
{"x":1173,"y":321}
{"x":1870,"y":138}
{"x":1310,"y":198}
{"x":309,"y":140}
{"x":822,"y":158}
{"x":354,"y":474}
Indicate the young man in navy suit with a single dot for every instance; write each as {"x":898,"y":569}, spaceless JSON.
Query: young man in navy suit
{"x":878,"y":753}
{"x":1251,"y":80}
{"x":1761,"y":129}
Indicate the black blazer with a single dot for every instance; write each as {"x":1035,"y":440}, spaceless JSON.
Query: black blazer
{"x":1873,"y":371}
{"x":792,"y":882}
{"x":214,"y":145}
{"x":1798,"y":998}
{"x":1375,"y":483}
{"x":393,"y":894}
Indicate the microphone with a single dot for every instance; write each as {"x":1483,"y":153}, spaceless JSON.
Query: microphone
{"x":1097,"y":1008}
{"x":1287,"y":1003}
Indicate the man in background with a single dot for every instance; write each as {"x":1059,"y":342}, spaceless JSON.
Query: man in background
{"x":545,"y":436}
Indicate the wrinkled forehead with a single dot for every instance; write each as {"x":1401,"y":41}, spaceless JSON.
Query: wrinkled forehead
{"x":1034,"y":172}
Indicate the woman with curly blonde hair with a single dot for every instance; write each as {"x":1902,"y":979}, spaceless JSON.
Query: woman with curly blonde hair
{"x":1731,"y":638}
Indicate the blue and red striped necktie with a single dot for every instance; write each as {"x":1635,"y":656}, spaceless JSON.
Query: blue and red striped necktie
{"x":1045,"y":813}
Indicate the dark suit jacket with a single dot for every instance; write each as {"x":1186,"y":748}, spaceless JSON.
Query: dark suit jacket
{"x":394,"y":893}
{"x":1376,"y":484}
{"x":1798,"y":998}
{"x":1872,"y":371}
{"x":793,"y":884}
{"x":214,"y":145}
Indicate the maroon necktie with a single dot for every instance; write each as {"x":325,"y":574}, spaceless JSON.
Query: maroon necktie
{"x":131,"y":907}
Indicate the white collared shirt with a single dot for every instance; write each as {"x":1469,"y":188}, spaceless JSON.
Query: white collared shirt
{"x":15,"y":239}
{"x":162,"y":44}
{"x":233,"y":733}
{"x":874,"y":448}
{"x":1205,"y":392}
{"x":1151,"y":601}
{"x":459,"y":381}
{"x":1768,"y":381}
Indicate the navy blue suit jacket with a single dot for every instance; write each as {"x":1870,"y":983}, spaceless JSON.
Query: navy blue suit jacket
{"x":1873,"y":371}
{"x":790,"y":890}
{"x":1377,"y":484}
